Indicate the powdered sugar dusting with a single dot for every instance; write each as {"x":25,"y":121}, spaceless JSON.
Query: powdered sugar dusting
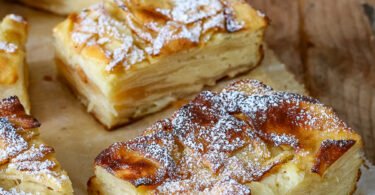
{"x":284,"y":139}
{"x":12,"y":142}
{"x":17,"y":18}
{"x":131,"y":39}
{"x":20,"y":151}
{"x":261,"y":14}
{"x":33,"y":166}
{"x":188,"y":11}
{"x":97,"y":27}
{"x":8,"y":47}
{"x":34,"y":153}
{"x":232,"y":24}
{"x":12,"y":192}
{"x":80,"y":37}
{"x":220,"y":142}
{"x":19,"y":155}
{"x":158,"y":146}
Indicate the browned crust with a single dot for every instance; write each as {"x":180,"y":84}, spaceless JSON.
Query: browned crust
{"x":289,"y":118}
{"x":118,"y":157}
{"x":8,"y":74}
{"x":355,"y":186}
{"x":12,"y":109}
{"x":329,"y":152}
{"x":138,"y":13}
{"x":91,"y":188}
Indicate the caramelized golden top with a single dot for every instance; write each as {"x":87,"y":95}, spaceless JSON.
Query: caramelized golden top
{"x":12,"y":110}
{"x":221,"y":141}
{"x":13,"y":32}
{"x":131,"y":31}
{"x":20,"y":150}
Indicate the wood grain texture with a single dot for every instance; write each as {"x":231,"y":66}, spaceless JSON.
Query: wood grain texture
{"x":333,"y":50}
{"x":340,"y":61}
{"x":283,"y":35}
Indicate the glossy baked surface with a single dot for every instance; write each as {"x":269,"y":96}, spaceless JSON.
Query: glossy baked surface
{"x":13,"y":35}
{"x":220,"y":142}
{"x":128,"y":32}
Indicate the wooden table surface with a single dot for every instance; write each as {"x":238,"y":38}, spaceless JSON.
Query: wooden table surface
{"x":330,"y":46}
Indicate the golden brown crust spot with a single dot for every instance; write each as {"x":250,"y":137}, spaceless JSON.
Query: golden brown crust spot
{"x":133,"y":31}
{"x":116,"y":158}
{"x":12,"y":38}
{"x":12,"y":109}
{"x":329,"y":152}
{"x":8,"y":73}
{"x":91,"y":186}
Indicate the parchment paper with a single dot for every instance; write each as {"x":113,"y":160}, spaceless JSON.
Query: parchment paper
{"x":76,"y":135}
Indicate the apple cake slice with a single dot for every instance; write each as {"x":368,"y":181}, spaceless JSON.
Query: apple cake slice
{"x":128,"y":58}
{"x":245,"y":139}
{"x":62,"y":7}
{"x":27,"y":165}
{"x":13,"y":68}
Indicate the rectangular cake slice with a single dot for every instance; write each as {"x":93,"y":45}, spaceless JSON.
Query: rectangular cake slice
{"x":245,"y":139}
{"x":13,"y":68}
{"x":128,"y":58}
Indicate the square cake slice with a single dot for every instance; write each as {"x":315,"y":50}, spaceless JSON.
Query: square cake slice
{"x":128,"y":58}
{"x":246,"y":139}
{"x":27,"y":164}
{"x":13,"y":68}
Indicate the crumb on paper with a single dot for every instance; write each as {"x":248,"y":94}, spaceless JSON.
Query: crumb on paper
{"x":47,"y":78}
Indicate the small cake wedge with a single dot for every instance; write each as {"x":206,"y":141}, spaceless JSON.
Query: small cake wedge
{"x":245,"y":139}
{"x":128,"y":58}
{"x":13,"y":68}
{"x":27,"y":164}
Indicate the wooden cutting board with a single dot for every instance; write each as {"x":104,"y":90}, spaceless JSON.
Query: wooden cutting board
{"x":66,"y":126}
{"x":330,"y":46}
